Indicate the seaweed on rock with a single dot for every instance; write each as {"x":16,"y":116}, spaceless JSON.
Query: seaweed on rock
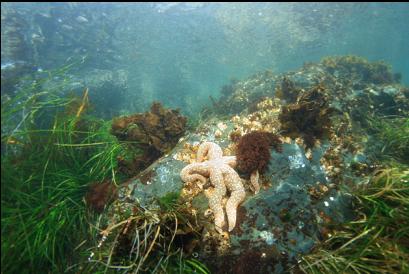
{"x":160,"y":236}
{"x":160,"y":128}
{"x":238,"y":94}
{"x":287,"y":90}
{"x":360,"y":69}
{"x":253,"y":150}
{"x":309,"y":118}
{"x":151,"y":134}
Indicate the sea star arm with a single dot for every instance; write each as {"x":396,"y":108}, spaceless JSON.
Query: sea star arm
{"x":230,"y":160}
{"x":215,"y":204}
{"x":216,"y":178}
{"x":216,"y":196}
{"x":254,"y":181}
{"x":237,"y":195}
{"x":193,"y":172}
{"x":210,"y":149}
{"x":231,"y":206}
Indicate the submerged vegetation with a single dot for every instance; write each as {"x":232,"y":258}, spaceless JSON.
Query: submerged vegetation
{"x":67,"y":205}
{"x":147,"y":239}
{"x":391,"y":138}
{"x":102,"y":173}
{"x":58,"y":162}
{"x":47,"y":163}
{"x":309,"y":117}
{"x":377,"y":242}
{"x":43,"y":214}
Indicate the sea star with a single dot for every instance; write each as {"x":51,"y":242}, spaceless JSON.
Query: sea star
{"x":220,"y":170}
{"x":254,"y":181}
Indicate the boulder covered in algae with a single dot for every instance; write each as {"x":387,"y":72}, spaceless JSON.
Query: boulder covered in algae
{"x":283,"y":221}
{"x":300,"y":190}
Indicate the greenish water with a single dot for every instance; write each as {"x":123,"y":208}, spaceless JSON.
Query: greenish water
{"x":83,"y":189}
{"x":183,"y":53}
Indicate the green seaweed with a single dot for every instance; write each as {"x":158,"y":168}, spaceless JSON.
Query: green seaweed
{"x":390,"y":138}
{"x":169,"y":201}
{"x":377,"y":242}
{"x":48,"y":160}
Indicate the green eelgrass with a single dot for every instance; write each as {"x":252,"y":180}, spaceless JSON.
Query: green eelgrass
{"x":379,"y":241}
{"x":183,"y":265}
{"x":48,"y":160}
{"x":391,"y":137}
{"x":43,"y":213}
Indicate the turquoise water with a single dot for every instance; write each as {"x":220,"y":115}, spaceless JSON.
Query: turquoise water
{"x":183,"y":53}
{"x":130,"y":129}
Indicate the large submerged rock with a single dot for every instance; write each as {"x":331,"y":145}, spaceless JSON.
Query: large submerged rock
{"x":275,"y":226}
{"x":300,"y":193}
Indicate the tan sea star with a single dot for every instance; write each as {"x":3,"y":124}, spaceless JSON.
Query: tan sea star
{"x":220,"y":170}
{"x":254,"y":181}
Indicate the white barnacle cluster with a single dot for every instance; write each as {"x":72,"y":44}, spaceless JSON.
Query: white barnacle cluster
{"x":267,"y":236}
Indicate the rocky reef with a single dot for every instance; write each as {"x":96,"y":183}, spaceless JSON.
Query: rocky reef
{"x":320,"y":120}
{"x":360,"y":70}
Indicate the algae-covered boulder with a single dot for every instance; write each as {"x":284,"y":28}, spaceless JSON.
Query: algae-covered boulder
{"x":323,"y":150}
{"x":282,"y":222}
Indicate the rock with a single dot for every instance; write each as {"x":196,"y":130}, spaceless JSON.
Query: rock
{"x":391,"y":90}
{"x":284,"y":217}
{"x":163,"y":176}
{"x":159,"y":179}
{"x":300,"y":193}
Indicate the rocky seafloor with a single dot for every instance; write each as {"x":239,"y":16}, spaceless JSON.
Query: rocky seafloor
{"x":320,"y":113}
